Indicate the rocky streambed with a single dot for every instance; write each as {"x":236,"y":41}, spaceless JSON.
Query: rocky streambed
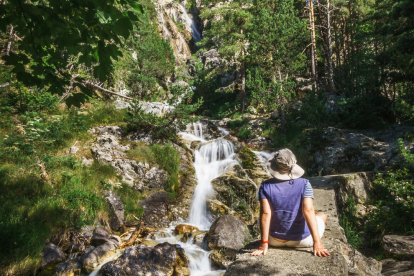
{"x":211,"y":226}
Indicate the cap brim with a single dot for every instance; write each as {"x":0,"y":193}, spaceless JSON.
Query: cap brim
{"x":296,"y":172}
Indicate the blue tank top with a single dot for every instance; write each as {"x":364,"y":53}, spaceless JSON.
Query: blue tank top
{"x":285,"y":200}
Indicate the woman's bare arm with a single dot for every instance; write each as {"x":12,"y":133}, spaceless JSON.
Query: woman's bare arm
{"x":265,"y":215}
{"x":310,"y":217}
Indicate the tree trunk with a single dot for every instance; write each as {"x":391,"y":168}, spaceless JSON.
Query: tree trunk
{"x":330,"y":62}
{"x":243,"y":77}
{"x":313,"y":41}
{"x":9,"y":42}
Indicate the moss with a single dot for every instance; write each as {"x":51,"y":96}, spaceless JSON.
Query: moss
{"x":248,"y":158}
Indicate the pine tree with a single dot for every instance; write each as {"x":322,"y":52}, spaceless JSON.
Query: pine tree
{"x":227,"y":31}
{"x":278,"y":37}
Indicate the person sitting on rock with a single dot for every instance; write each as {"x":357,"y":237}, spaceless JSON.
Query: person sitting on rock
{"x":287,"y":214}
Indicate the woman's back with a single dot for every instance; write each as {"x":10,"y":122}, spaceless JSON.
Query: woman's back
{"x":285,"y":200}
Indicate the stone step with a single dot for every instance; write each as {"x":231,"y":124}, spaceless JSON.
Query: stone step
{"x":344,"y":260}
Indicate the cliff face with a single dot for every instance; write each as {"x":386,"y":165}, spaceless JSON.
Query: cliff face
{"x":182,"y":29}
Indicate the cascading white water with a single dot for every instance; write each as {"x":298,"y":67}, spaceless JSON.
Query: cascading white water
{"x":211,"y":160}
{"x":194,"y":32}
{"x":263,"y":157}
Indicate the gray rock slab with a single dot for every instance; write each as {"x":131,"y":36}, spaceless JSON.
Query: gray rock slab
{"x":402,"y":246}
{"x":344,"y":260}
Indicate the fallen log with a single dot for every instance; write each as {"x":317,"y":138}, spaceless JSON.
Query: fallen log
{"x":134,"y":235}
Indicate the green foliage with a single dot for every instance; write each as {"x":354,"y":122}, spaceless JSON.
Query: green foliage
{"x":366,"y":112}
{"x":350,"y":224}
{"x":247,"y":157}
{"x":154,"y":60}
{"x":394,"y":198}
{"x":32,"y":209}
{"x":168,"y":159}
{"x":130,"y":198}
{"x":52,"y":32}
{"x":234,"y":124}
{"x":244,"y":133}
{"x":165,"y":126}
{"x":19,"y":99}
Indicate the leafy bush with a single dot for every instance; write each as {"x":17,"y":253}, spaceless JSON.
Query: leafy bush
{"x":366,"y":112}
{"x":350,"y":224}
{"x":234,"y":124}
{"x":244,"y":133}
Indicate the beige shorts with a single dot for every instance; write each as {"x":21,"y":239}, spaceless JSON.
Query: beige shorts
{"x":308,"y":242}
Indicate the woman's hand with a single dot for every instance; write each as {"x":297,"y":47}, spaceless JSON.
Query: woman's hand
{"x":319,"y":251}
{"x":262,"y":250}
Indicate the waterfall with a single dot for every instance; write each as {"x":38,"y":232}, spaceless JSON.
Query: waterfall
{"x":189,"y":22}
{"x":211,"y":160}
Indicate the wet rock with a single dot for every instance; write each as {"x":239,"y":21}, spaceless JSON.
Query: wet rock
{"x":253,"y":166}
{"x":163,"y":259}
{"x":228,"y":232}
{"x":237,"y":191}
{"x":69,"y":268}
{"x":401,"y":246}
{"x":182,"y":271}
{"x":199,"y":239}
{"x":391,"y":267}
{"x":116,"y":209}
{"x":184,"y":228}
{"x":195,"y":145}
{"x":356,"y":185}
{"x":51,"y":256}
{"x":226,"y":236}
{"x":149,"y":243}
{"x":95,"y":257}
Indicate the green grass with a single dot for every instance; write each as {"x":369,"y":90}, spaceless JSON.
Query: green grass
{"x":32,"y":209}
{"x":130,"y":198}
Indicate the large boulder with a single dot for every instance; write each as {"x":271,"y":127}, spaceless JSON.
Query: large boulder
{"x":51,"y":256}
{"x":356,"y":185}
{"x":401,"y":246}
{"x":116,"y":208}
{"x":391,"y":267}
{"x":237,"y":191}
{"x":226,"y":236}
{"x":163,"y":259}
{"x":343,"y":151}
{"x":102,"y":236}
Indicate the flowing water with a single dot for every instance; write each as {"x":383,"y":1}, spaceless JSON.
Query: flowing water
{"x":189,"y":22}
{"x":211,"y":160}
